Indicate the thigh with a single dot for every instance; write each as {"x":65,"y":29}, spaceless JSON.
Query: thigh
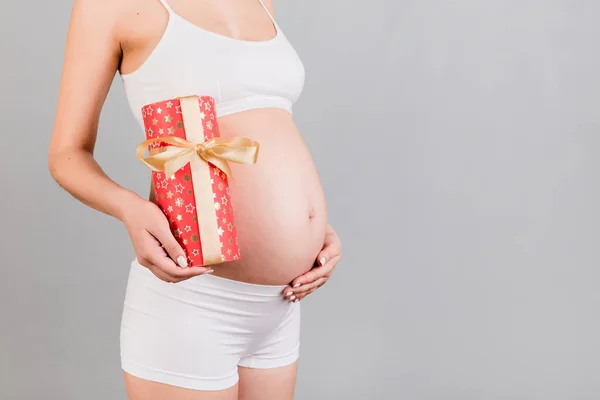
{"x":270,"y":371}
{"x":269,"y":383}
{"x":179,"y":335}
{"x":141,"y":389}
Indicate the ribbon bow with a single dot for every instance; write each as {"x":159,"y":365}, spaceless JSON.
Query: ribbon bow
{"x":179,"y":152}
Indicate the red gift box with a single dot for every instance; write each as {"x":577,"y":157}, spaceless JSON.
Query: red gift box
{"x":190,"y":175}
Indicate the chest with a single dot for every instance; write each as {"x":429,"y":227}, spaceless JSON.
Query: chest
{"x":189,"y":59}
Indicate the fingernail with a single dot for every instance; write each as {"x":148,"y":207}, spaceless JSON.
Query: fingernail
{"x":322,"y":260}
{"x":289,"y":293}
{"x":297,"y":285}
{"x":210,"y":271}
{"x":292,"y":298}
{"x":182,"y":261}
{"x":295,"y":301}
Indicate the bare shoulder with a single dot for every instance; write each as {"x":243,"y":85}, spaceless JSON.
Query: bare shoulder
{"x":124,"y":17}
{"x":97,"y":12}
{"x":101,"y":18}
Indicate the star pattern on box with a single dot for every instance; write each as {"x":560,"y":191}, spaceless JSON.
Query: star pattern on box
{"x":175,"y":195}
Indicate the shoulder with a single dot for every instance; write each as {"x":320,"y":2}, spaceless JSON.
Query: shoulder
{"x":97,"y":18}
{"x":124,"y":18}
{"x":93,"y":25}
{"x":115,"y":12}
{"x":97,"y":11}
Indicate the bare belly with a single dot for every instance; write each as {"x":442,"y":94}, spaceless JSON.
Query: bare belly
{"x":278,"y":203}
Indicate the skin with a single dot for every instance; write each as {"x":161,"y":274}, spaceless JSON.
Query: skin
{"x":107,"y":36}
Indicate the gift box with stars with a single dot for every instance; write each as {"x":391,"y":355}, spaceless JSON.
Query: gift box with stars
{"x":195,"y":198}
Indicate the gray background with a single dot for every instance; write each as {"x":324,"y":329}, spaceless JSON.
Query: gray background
{"x":457,"y":144}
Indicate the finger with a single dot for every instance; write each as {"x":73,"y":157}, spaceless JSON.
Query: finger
{"x":167,"y":266}
{"x":303,"y":295}
{"x":315,"y":273}
{"x":177,"y":274}
{"x":294,"y":294}
{"x":295,"y":297}
{"x":158,"y":258}
{"x":161,"y":275}
{"x":144,"y":262}
{"x":288,"y":291}
{"x":171,"y":246}
{"x":332,"y":247}
{"x":309,"y":286}
{"x":311,"y":276}
{"x":329,"y":252}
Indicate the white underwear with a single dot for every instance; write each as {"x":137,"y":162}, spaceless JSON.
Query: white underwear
{"x":195,"y":333}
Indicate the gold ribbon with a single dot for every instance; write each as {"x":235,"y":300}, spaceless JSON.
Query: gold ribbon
{"x":198,"y":152}
{"x":216,"y":151}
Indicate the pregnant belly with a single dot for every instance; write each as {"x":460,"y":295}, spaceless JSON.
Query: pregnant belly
{"x":278,"y":203}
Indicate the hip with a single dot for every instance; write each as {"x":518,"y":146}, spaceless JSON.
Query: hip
{"x":195,"y":333}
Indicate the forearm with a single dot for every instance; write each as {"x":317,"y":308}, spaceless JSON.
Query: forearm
{"x":76,"y":171}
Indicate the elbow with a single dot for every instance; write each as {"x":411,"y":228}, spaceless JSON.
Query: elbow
{"x":53,"y":163}
{"x":60,"y":162}
{"x":65,"y":155}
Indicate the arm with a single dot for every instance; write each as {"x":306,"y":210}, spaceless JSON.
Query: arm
{"x":91,"y":59}
{"x":92,"y":56}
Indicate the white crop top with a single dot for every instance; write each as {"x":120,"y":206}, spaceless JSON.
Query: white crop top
{"x":240,"y":74}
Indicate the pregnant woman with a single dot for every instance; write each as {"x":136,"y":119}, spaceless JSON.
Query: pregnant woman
{"x":231,"y":330}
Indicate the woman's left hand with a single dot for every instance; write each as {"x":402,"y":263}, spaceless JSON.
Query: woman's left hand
{"x":325,"y":263}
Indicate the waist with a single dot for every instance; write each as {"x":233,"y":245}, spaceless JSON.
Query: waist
{"x":211,"y":284}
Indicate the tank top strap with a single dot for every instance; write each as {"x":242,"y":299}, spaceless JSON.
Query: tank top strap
{"x":166,"y":6}
{"x":267,"y":11}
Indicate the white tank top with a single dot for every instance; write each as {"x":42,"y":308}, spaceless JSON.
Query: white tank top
{"x":240,"y":74}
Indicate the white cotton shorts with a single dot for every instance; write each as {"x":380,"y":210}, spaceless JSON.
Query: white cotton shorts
{"x":195,"y":333}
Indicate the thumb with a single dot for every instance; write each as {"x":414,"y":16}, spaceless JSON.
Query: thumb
{"x":331,"y":249}
{"x":322,"y":258}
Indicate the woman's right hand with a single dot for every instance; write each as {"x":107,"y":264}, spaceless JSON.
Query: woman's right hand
{"x":154,"y":243}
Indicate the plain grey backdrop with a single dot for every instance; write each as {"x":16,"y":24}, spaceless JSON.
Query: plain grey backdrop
{"x":457,"y":142}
